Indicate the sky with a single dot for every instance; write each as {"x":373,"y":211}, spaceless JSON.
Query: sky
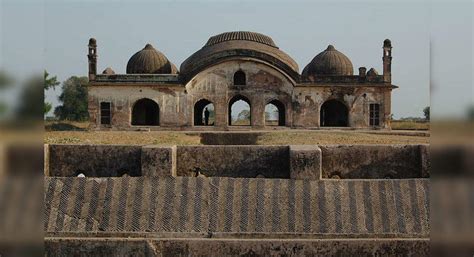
{"x":53,"y":35}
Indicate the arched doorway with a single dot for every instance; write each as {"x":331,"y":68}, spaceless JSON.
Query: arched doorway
{"x":146,"y":112}
{"x":334,"y":114}
{"x":240,"y":78}
{"x":204,"y":113}
{"x":240,"y":111}
{"x":275,"y":113}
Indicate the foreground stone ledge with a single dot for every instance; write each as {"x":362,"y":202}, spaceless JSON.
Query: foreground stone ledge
{"x":235,"y":247}
{"x":311,"y":162}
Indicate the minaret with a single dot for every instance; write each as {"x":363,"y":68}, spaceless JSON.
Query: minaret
{"x":92,"y":59}
{"x":387,"y":60}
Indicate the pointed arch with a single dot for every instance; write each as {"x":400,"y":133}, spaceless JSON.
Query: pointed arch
{"x":145,"y":112}
{"x":334,"y":113}
{"x":275,"y":113}
{"x":204,"y":113}
{"x":240,"y":115}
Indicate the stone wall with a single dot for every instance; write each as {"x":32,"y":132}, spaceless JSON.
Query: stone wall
{"x":299,"y":162}
{"x":308,"y":99}
{"x":233,"y":161}
{"x":170,"y":99}
{"x":94,"y":160}
{"x":374,"y":161}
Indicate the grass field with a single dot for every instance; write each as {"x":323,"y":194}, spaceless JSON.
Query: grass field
{"x":409,"y":125}
{"x":76,"y":133}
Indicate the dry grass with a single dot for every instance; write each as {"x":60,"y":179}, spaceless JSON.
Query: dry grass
{"x":409,"y":125}
{"x":284,"y":137}
{"x":338,"y":137}
{"x":120,"y":138}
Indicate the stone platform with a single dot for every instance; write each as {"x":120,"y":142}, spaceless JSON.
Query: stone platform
{"x":187,"y":216}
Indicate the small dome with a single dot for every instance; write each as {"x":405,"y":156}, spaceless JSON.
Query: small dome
{"x":372,"y":72}
{"x":150,"y":61}
{"x":387,"y":43}
{"x":108,"y":71}
{"x":92,"y":41}
{"x":329,"y":62}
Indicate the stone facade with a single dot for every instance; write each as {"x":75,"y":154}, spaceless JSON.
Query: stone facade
{"x":236,"y":66}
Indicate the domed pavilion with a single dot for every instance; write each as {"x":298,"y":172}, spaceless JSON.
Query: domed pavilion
{"x":239,"y":80}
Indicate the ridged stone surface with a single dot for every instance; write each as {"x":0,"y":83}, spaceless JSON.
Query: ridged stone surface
{"x":270,"y":207}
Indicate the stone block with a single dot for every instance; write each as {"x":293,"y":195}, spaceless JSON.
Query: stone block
{"x":425,"y":161}
{"x":233,"y":161}
{"x":94,"y":160}
{"x":371,"y":161}
{"x":305,"y":162}
{"x":158,"y":161}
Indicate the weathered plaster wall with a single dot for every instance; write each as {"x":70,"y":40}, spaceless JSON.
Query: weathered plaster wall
{"x":171,"y":101}
{"x":264,"y":84}
{"x":308,"y":99}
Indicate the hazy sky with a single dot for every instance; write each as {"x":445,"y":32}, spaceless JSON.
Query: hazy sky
{"x":54,"y":35}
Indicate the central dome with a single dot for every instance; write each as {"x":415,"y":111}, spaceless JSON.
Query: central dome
{"x":241,"y":35}
{"x":150,"y":61}
{"x":238,"y":45}
{"x":329,"y":62}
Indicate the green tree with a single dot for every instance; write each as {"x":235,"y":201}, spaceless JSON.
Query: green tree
{"x":470,"y":113}
{"x":244,"y":115}
{"x":49,"y":83}
{"x":426,"y":112}
{"x":30,"y":104}
{"x":5,"y":81}
{"x":47,"y":107}
{"x":73,"y":99}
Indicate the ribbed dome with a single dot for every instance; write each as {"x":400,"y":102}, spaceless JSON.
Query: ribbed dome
{"x":238,"y":44}
{"x":329,"y":62}
{"x":241,"y":35}
{"x":150,"y":61}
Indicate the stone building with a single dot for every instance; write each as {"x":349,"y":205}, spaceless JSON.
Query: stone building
{"x":244,"y":67}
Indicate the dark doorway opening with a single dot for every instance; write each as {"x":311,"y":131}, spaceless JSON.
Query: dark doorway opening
{"x":145,"y":112}
{"x":334,"y":114}
{"x":204,"y":113}
{"x":240,"y":111}
{"x":275,"y":113}
{"x":240,"y":78}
